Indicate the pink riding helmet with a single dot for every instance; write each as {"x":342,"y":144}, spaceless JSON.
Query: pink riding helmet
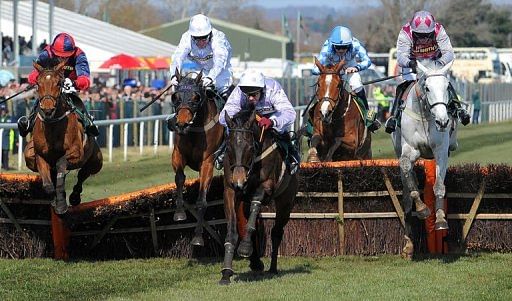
{"x":423,"y":22}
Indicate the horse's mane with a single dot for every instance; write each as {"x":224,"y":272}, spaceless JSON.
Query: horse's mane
{"x":241,"y":118}
{"x":49,"y":63}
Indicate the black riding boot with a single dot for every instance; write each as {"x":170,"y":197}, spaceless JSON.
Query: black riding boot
{"x":391,"y":123}
{"x":171,"y":122}
{"x":26,"y":123}
{"x":90,"y":128}
{"x":219,"y":155}
{"x":370,"y":116}
{"x":293,"y":158}
{"x":456,"y":106}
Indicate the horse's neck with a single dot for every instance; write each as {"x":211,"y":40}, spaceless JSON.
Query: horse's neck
{"x":207,"y":112}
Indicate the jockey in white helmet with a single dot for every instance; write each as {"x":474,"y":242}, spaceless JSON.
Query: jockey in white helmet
{"x":423,"y":38}
{"x":341,"y":45}
{"x":267,"y":97}
{"x":210,"y":50}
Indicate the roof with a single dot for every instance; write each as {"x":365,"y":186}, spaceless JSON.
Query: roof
{"x":98,"y":39}
{"x":233,"y":26}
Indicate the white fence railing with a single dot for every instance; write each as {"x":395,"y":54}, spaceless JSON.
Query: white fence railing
{"x":140,"y":122}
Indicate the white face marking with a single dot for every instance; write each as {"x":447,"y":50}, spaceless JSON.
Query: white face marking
{"x":328,"y":79}
{"x":325,"y":108}
{"x":48,"y":77}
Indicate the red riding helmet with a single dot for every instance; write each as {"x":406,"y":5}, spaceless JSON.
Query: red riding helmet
{"x":63,"y":45}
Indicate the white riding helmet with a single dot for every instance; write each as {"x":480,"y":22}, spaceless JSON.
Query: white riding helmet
{"x":251,"y":80}
{"x":199,"y":26}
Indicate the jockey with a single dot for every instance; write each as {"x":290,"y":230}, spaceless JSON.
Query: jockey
{"x":267,"y":97}
{"x":341,"y":45}
{"x":210,"y":50}
{"x":76,"y":73}
{"x":423,"y":38}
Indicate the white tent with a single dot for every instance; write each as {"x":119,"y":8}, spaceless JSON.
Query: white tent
{"x":99,"y":40}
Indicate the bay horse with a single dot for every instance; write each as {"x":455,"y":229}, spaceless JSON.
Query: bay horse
{"x":339,"y":131}
{"x":429,"y":132}
{"x":254,"y":174}
{"x":59,"y":142}
{"x":199,"y":135}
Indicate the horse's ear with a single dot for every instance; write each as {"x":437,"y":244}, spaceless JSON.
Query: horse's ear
{"x":228,"y":119}
{"x":199,"y":76}
{"x":61,"y":65}
{"x":446,"y":67}
{"x":37,"y":66}
{"x":177,"y":74}
{"x":319,"y":65}
{"x":339,"y":65}
{"x":249,"y":122}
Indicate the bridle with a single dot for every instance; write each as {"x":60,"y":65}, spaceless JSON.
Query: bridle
{"x":238,"y":159}
{"x":57,"y":99}
{"x":333,"y":102}
{"x":187,"y":102}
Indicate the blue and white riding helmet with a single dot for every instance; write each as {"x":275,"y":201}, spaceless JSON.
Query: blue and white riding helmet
{"x":340,"y":36}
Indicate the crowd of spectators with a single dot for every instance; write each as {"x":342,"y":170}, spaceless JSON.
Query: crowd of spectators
{"x":25,"y":48}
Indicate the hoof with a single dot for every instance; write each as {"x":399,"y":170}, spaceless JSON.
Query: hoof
{"x":408,"y":250}
{"x":441,"y":222}
{"x":313,"y":159}
{"x":49,"y":189}
{"x":272,"y":271}
{"x":226,"y":277}
{"x":257,"y":266}
{"x":61,"y":207}
{"x":224,"y":281}
{"x":197,"y":241}
{"x":423,"y":213}
{"x":442,"y":226}
{"x":74,"y":199}
{"x":245,"y":249}
{"x":180,"y":216}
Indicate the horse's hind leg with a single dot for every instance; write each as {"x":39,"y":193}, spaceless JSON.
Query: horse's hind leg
{"x":284,"y":205}
{"x":61,"y":206}
{"x":408,"y":249}
{"x":206,"y":175}
{"x":178,"y":165}
{"x":332,"y":149}
{"x":259,"y":239}
{"x":91,"y":167}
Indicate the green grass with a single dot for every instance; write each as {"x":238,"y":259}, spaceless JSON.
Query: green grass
{"x":477,"y":277}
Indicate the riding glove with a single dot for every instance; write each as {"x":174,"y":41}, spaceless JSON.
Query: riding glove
{"x":32,"y":77}
{"x":265,"y":123}
{"x":413,"y":65}
{"x":207,"y":81}
{"x":174,"y":81}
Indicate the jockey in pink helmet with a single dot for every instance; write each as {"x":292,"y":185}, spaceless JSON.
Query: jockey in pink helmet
{"x":76,"y":73}
{"x":423,"y":38}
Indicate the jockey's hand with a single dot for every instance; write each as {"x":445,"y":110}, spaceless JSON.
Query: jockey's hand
{"x":174,"y":81}
{"x":32,"y":77}
{"x":67,"y":86}
{"x":265,"y":123}
{"x":206,"y":81}
{"x":351,"y":70}
{"x":413,"y":65}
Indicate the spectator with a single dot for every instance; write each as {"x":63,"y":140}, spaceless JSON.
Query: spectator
{"x":476,"y":106}
{"x":6,"y":141}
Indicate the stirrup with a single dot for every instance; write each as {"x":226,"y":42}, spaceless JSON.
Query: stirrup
{"x":391,"y":125}
{"x":24,"y":126}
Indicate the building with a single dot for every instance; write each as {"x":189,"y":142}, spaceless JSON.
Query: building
{"x":248,"y":44}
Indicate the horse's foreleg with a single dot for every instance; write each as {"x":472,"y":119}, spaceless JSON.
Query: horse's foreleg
{"x":440,"y":191}
{"x":45,"y":172}
{"x":409,"y":180}
{"x":332,"y":149}
{"x":313,"y":152}
{"x":179,"y":179}
{"x":231,"y":235}
{"x":205,"y":176}
{"x":245,"y":248}
{"x":61,"y":206}
{"x":408,"y":249}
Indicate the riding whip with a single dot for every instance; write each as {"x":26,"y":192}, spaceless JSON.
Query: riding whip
{"x":14,"y":95}
{"x":155,"y":99}
{"x":384,"y":78}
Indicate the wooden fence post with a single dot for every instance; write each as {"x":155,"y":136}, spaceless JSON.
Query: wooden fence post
{"x":341,"y":220}
{"x":60,"y":235}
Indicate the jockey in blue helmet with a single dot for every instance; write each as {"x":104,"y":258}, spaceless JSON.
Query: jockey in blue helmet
{"x":341,"y":45}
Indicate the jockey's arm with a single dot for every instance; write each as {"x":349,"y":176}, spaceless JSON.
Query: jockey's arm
{"x":403,"y":49}
{"x":363,"y":59}
{"x":180,"y":54}
{"x":232,"y":106}
{"x":220,"y":48}
{"x":445,"y":46}
{"x":83,"y":72}
{"x":284,"y":115}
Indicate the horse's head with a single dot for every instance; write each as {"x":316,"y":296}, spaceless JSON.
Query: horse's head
{"x":434,"y":82}
{"x":329,"y":87}
{"x":187,"y":99}
{"x":241,"y":147}
{"x":49,"y":84}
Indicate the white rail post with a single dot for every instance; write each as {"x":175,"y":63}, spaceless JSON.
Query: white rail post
{"x":141,"y":137}
{"x":110,"y":141}
{"x":125,"y":141}
{"x":155,"y":136}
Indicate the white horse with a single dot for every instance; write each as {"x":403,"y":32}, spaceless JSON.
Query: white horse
{"x":429,"y":132}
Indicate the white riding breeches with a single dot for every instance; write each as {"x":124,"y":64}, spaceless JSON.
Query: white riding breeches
{"x":354,"y":81}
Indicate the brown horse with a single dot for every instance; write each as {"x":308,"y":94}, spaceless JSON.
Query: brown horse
{"x":199,"y":135}
{"x":254,"y":173}
{"x":58,"y":141}
{"x":339,"y":131}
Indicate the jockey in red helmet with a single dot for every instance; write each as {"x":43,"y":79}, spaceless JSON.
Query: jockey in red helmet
{"x":76,"y":73}
{"x":423,"y":38}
